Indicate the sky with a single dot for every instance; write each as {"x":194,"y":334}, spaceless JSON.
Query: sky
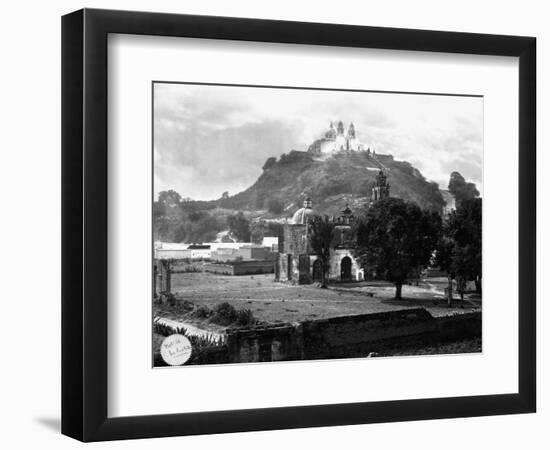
{"x":212,"y":139}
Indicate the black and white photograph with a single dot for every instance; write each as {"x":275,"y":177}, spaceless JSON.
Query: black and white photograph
{"x":275,"y":225}
{"x":308,"y":224}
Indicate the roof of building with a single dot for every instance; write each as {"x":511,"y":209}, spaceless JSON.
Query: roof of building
{"x":199,"y":247}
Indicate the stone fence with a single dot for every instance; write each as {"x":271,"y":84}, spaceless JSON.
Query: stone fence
{"x":340,"y":337}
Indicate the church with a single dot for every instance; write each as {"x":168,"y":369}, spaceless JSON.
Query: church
{"x":337,"y":139}
{"x":298,"y":264}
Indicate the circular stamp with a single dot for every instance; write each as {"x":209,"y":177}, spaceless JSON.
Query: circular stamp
{"x":175,"y":350}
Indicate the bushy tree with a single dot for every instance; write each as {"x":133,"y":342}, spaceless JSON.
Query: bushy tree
{"x":459,"y":247}
{"x":321,"y":237}
{"x":275,"y":206}
{"x":239,"y":226}
{"x":395,"y":238}
{"x":461,"y":189}
{"x":169,"y":198}
{"x":270,"y":162}
{"x":261,"y":229}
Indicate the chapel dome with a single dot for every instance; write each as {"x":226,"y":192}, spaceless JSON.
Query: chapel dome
{"x":331,"y":133}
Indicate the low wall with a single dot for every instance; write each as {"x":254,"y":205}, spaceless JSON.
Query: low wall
{"x":338,"y":337}
{"x":240,"y":268}
{"x":348,"y":336}
{"x":274,"y":343}
{"x":343,"y":335}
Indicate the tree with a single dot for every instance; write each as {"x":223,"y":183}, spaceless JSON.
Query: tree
{"x":321,"y":236}
{"x":461,"y":189}
{"x":275,"y":206}
{"x":444,"y":257}
{"x":466,"y":223}
{"x":396,"y":238}
{"x":261,"y":229}
{"x":270,"y":162}
{"x":459,"y":247}
{"x":169,"y":198}
{"x":239,"y":226}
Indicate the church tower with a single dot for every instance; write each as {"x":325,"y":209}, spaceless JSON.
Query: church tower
{"x":381,"y":188}
{"x":351,"y":131}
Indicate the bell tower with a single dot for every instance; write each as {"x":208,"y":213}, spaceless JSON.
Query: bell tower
{"x":381,"y":187}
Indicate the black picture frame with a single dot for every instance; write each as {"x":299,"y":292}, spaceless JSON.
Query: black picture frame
{"x":84,"y":224}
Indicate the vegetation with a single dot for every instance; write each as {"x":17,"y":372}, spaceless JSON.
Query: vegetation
{"x":183,"y":220}
{"x":459,"y":246}
{"x":461,"y":189}
{"x":239,"y":227}
{"x":226,"y":314}
{"x":270,"y":162}
{"x":275,"y":206}
{"x":202,"y":345}
{"x":395,"y":238}
{"x":329,"y":183}
{"x":261,"y":229}
{"x":321,"y":240}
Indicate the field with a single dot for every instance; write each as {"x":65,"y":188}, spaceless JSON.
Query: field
{"x":273,"y":302}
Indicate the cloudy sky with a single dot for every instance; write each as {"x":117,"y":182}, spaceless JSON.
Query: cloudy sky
{"x":211,"y":139}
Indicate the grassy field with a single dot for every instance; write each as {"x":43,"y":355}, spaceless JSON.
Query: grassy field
{"x":274,"y":302}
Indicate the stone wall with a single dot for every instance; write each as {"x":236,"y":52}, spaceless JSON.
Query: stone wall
{"x":348,"y":336}
{"x":292,"y":239}
{"x":339,"y":336}
{"x":261,"y":344}
{"x":240,"y":268}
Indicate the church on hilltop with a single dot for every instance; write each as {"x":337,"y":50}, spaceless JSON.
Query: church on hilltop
{"x":337,"y":139}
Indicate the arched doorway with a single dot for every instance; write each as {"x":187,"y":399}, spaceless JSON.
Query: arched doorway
{"x":345,"y":269}
{"x":318,"y":270}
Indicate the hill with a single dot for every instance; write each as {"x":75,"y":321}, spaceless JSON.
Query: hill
{"x":331,"y":183}
{"x":344,"y":178}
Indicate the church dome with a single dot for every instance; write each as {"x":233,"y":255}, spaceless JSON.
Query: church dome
{"x":331,"y":133}
{"x":303,"y":215}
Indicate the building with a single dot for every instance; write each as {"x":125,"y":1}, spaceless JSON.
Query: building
{"x":381,"y":187}
{"x":172,"y":250}
{"x":247,"y":252}
{"x":450,"y":202}
{"x":217,"y":251}
{"x":271,"y":243}
{"x":200,"y":251}
{"x":337,"y":140}
{"x":298,"y":264}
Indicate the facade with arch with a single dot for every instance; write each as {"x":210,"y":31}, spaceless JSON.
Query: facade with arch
{"x":296,"y":262}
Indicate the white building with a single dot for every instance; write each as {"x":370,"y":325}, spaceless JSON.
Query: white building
{"x":209,"y":250}
{"x":450,"y":202}
{"x":271,"y":242}
{"x":337,"y":140}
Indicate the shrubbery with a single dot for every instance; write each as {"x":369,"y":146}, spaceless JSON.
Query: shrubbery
{"x":224,"y":314}
{"x":202,"y":312}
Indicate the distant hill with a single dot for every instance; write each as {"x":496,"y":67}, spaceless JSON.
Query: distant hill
{"x":331,"y":183}
{"x":344,"y":178}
